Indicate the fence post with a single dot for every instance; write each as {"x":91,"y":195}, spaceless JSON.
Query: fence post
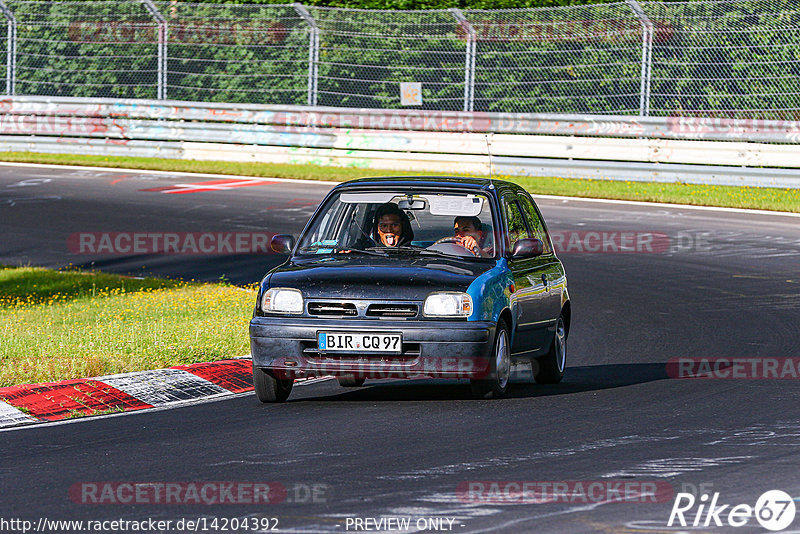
{"x":11,"y":50}
{"x":469,"y":67}
{"x":313,"y":52}
{"x":647,"y":56}
{"x":162,"y":47}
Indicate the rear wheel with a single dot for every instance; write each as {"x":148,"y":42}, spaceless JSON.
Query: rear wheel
{"x":496,"y":385}
{"x":551,"y":366}
{"x":350,"y":381}
{"x":270,"y":388}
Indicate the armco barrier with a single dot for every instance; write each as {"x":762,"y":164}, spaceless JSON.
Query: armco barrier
{"x":693,"y":150}
{"x":677,"y":127}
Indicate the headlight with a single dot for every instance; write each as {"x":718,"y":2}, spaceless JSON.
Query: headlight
{"x":282,"y":300}
{"x":448,"y":305}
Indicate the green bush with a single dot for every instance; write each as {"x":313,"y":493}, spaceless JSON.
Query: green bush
{"x":738,"y":58}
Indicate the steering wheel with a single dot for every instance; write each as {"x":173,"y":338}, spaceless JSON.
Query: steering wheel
{"x":456,"y":241}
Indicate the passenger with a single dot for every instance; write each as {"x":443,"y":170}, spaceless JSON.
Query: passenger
{"x":392,"y":228}
{"x":470,"y":234}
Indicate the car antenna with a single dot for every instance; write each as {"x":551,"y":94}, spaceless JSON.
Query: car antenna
{"x":489,"y":153}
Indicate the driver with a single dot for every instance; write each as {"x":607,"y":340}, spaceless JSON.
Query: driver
{"x":392,"y":228}
{"x":470,"y":234}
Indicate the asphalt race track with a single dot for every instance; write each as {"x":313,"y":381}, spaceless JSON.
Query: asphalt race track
{"x":718,"y":284}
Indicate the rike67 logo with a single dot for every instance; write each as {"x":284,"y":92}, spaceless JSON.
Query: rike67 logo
{"x":774,"y":510}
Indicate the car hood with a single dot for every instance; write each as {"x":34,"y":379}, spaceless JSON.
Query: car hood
{"x":372,"y":277}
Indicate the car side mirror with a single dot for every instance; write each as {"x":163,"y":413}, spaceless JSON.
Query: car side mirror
{"x":282,"y":243}
{"x":527,"y":248}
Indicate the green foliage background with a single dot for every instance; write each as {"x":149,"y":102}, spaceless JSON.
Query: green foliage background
{"x":738,"y":58}
{"x":432,"y":4}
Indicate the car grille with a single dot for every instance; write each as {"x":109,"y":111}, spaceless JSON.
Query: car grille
{"x":392,"y":310}
{"x":372,"y":310}
{"x":337,"y":309}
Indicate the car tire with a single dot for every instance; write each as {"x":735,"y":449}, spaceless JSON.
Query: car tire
{"x":270,"y":388}
{"x":350,"y":381}
{"x":496,"y":385}
{"x":549,"y":369}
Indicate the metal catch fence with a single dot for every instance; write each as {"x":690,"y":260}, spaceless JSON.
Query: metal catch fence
{"x":718,"y":58}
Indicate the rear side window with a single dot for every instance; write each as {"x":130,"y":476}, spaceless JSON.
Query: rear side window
{"x":534,"y":222}
{"x":516,"y":223}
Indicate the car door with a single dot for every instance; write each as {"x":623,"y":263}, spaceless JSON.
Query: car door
{"x":548,"y":268}
{"x":528,"y":301}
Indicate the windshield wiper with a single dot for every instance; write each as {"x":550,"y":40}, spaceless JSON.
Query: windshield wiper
{"x":336,"y":248}
{"x":402,"y":248}
{"x":362,"y":251}
{"x":415,"y":250}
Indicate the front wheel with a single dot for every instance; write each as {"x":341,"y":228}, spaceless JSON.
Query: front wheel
{"x":269,"y":388}
{"x":496,"y":385}
{"x":551,"y":366}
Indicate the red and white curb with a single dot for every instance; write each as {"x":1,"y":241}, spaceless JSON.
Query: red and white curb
{"x":55,"y":401}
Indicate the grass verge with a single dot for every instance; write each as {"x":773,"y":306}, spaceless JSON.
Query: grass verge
{"x":60,"y":325}
{"x":699,"y":195}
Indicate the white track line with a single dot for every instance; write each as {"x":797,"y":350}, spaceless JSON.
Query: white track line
{"x":665,"y":205}
{"x":171,"y":173}
{"x":377,"y":173}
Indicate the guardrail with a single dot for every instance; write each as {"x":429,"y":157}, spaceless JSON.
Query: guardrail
{"x":692,"y":150}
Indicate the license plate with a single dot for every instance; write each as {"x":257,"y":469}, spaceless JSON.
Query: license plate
{"x":359,"y":342}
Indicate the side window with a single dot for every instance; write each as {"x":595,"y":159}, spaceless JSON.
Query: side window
{"x":516,"y":224}
{"x":357,"y":225}
{"x":534,"y":221}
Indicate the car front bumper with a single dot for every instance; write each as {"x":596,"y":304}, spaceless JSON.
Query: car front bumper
{"x":443,"y":349}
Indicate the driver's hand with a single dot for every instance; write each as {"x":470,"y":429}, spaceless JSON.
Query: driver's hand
{"x":468,"y":242}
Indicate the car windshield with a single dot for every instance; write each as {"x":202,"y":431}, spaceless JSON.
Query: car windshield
{"x":398,"y":222}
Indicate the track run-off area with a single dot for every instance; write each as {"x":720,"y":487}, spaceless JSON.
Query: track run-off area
{"x":607,"y":450}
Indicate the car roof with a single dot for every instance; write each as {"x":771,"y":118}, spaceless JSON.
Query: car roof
{"x":444,"y":182}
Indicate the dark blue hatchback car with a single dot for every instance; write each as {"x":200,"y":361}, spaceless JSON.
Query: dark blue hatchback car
{"x":407,"y":277}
